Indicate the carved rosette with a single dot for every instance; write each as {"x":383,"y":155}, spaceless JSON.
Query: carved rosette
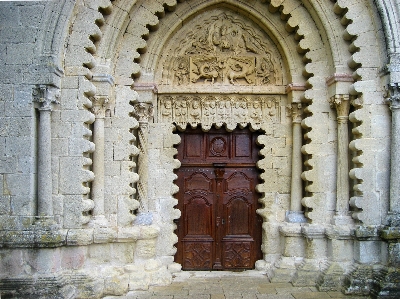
{"x":342,"y":104}
{"x":223,"y":49}
{"x":99,"y":106}
{"x":209,"y":110}
{"x":46,"y":96}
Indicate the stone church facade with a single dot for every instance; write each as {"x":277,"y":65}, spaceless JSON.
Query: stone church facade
{"x":123,"y":123}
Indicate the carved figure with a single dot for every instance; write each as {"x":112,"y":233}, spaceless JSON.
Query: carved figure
{"x":195,"y":114}
{"x":205,"y":69}
{"x":263,"y":73}
{"x":181,"y":73}
{"x":222,"y":40}
{"x":240,"y":68}
{"x":167,"y":111}
{"x":181,"y":113}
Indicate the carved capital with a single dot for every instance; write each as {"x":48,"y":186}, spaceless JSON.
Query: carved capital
{"x":342,"y":104}
{"x":297,"y":111}
{"x":46,"y":96}
{"x":143,"y":112}
{"x":393,"y":95}
{"x":100,"y":104}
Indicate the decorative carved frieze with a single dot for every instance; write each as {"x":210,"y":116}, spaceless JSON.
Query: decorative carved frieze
{"x":209,"y":110}
{"x":223,"y":49}
{"x":46,"y":96}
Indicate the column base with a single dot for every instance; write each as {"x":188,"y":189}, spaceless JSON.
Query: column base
{"x":388,"y":286}
{"x":144,"y":218}
{"x":286,"y":269}
{"x":309,"y":272}
{"x":295,"y":217}
{"x":333,"y":278}
{"x":362,"y":279}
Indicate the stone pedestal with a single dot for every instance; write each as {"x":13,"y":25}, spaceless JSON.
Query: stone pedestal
{"x":340,"y":250}
{"x":293,"y":254}
{"x":367,"y":255}
{"x":315,"y":260}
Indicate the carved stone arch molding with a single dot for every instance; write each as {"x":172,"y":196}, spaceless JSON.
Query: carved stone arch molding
{"x":206,"y":62}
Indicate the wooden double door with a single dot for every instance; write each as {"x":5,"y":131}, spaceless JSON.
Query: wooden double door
{"x":218,"y":228}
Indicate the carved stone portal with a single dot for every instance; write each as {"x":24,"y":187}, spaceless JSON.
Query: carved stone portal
{"x":209,"y":110}
{"x":223,"y":49}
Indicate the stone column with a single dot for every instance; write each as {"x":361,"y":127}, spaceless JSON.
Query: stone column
{"x":45,"y":97}
{"x":388,"y":284}
{"x":98,"y":109}
{"x":296,"y":215}
{"x":394,"y":103}
{"x":143,"y":112}
{"x":342,"y":104}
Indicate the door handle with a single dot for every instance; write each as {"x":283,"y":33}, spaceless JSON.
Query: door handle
{"x":223,"y":221}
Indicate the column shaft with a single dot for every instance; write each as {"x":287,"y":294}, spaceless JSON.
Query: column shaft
{"x":342,"y":182}
{"x":98,"y":167}
{"x":143,"y":167}
{"x":395,"y":160}
{"x":296,"y":188}
{"x":45,"y":199}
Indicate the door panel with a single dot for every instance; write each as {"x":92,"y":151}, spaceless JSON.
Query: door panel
{"x":219,"y":227}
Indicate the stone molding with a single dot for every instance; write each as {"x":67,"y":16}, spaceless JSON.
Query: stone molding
{"x":208,"y":110}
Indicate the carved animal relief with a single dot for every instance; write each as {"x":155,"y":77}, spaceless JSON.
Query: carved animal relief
{"x":223,"y":50}
{"x":209,"y":110}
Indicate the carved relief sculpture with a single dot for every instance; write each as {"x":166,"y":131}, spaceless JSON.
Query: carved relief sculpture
{"x":209,"y":110}
{"x":223,"y":50}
